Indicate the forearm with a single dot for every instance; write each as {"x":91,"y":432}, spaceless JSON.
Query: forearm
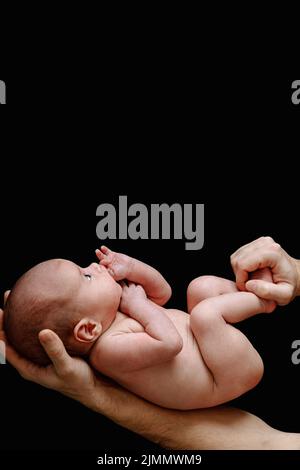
{"x":220,"y":428}
{"x":155,"y":321}
{"x":133,"y":413}
{"x":154,"y":284}
{"x":159,"y":425}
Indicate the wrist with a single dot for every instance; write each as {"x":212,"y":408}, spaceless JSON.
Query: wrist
{"x":129,"y":267}
{"x":114,"y":402}
{"x":99,"y":399}
{"x":137,"y":304}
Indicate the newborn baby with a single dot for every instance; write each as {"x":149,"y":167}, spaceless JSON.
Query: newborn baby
{"x":112,"y":314}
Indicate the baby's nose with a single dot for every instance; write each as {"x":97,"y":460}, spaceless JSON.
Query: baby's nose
{"x":95,"y":267}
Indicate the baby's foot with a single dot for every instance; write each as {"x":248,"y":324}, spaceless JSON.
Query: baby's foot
{"x":268,"y":305}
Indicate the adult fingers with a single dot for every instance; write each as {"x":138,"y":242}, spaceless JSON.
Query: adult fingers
{"x":244,"y":253}
{"x":259,"y":242}
{"x":6,"y":294}
{"x":1,"y":319}
{"x":28,"y":370}
{"x":56,"y":351}
{"x":281,"y":293}
{"x":250,"y":262}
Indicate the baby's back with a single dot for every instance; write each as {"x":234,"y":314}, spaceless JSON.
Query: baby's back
{"x":181,"y":383}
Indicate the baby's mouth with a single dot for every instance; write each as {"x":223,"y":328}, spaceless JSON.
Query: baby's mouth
{"x":105,"y":269}
{"x":110,"y":272}
{"x":102,"y":268}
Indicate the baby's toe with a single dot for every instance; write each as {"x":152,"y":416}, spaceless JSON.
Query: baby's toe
{"x":270,"y":306}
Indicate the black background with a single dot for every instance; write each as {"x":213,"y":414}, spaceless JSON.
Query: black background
{"x":71,"y":141}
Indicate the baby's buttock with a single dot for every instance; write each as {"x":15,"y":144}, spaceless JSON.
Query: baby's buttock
{"x":182,"y":383}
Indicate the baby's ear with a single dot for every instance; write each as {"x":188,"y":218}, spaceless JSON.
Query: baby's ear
{"x":87,"y":330}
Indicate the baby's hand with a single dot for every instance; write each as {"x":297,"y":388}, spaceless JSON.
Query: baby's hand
{"x":117,"y":264}
{"x":131,"y":295}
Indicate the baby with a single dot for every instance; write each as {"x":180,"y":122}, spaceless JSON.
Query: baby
{"x":112,"y":314}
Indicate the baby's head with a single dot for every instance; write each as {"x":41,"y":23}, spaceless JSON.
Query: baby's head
{"x":77,"y":303}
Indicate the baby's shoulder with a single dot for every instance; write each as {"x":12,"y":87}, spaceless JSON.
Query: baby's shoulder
{"x":176,"y":313}
{"x":124,"y":324}
{"x":100,"y":356}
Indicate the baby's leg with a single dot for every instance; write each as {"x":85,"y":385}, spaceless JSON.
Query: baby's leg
{"x":235,"y":365}
{"x":204,"y":287}
{"x":208,"y":286}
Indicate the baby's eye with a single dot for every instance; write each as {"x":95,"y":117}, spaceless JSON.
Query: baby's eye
{"x":88,"y":276}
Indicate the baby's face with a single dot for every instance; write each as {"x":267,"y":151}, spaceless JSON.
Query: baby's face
{"x":95,"y":292}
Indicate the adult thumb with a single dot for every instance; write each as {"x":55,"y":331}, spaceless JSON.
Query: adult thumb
{"x":56,"y":351}
{"x":282,"y":293}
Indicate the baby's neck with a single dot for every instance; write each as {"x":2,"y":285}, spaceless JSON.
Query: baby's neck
{"x":119,"y":316}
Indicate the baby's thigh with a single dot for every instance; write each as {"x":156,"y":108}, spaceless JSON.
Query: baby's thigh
{"x":204,"y":287}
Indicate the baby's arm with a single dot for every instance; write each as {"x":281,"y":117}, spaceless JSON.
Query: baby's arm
{"x":160,"y":342}
{"x":122,"y":267}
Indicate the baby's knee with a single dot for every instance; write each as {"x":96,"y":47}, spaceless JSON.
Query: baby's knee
{"x":253,"y":371}
{"x":201,"y":288}
{"x":257,"y":371}
{"x":203,"y":317}
{"x":242,"y":377}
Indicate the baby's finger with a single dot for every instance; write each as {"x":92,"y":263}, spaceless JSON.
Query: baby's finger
{"x":241,"y":279}
{"x":105,"y":250}
{"x":104,"y":262}
{"x":99,"y":254}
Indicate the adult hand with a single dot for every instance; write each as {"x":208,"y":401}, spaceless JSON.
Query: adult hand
{"x":71,"y":376}
{"x":218,"y":428}
{"x":266,"y":253}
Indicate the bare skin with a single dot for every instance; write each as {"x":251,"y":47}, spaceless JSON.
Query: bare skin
{"x":150,"y":350}
{"x":266,"y":253}
{"x":220,"y":428}
{"x":153,"y":351}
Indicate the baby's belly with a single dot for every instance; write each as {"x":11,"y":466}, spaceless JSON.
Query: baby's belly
{"x":182,"y":383}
